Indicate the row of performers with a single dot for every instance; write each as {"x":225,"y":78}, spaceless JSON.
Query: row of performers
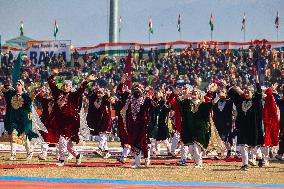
{"x":140,"y":113}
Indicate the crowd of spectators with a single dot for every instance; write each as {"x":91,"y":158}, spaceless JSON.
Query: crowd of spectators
{"x":194,"y":66}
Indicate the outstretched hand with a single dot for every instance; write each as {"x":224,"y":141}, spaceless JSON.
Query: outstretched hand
{"x":212,"y":87}
{"x":124,"y":77}
{"x":256,"y":78}
{"x":274,"y":87}
{"x":54,"y":71}
{"x":224,"y":83}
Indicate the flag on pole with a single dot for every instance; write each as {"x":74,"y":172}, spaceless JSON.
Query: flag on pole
{"x":178,"y":23}
{"x":55,"y":29}
{"x":151,"y":25}
{"x":243,"y":22}
{"x":22,"y":28}
{"x":211,"y":23}
{"x":277,"y":21}
{"x":120,"y":24}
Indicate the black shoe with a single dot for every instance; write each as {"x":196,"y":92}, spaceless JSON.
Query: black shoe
{"x":279,"y":157}
{"x":245,"y":168}
{"x":260,"y":163}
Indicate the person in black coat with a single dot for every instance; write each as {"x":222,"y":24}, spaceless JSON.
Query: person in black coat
{"x":222,"y":116}
{"x":249,"y":119}
{"x":159,"y":116}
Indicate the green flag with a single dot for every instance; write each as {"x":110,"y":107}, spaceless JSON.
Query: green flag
{"x":22,"y":28}
{"x":211,"y":23}
{"x":17,"y":69}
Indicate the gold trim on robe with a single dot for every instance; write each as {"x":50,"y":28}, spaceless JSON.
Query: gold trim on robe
{"x":18,"y":139}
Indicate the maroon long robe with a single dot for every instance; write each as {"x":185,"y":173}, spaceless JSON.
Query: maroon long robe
{"x":137,"y":128}
{"x":173,"y":100}
{"x":66,"y":110}
{"x":47,"y":115}
{"x":99,"y":119}
{"x":118,"y":105}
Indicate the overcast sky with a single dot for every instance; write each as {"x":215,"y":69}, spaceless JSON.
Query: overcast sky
{"x":84,"y":22}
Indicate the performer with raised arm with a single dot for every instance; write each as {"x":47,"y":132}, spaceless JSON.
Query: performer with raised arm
{"x":99,"y":118}
{"x":66,"y":114}
{"x":248,"y":120}
{"x":173,"y":99}
{"x":159,"y":119}
{"x":122,"y":94}
{"x":195,"y":130}
{"x":18,"y":120}
{"x":135,"y":114}
{"x":51,"y":137}
{"x":223,"y":117}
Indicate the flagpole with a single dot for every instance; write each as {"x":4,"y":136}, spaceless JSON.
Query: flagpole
{"x":244,"y":34}
{"x":277,"y":33}
{"x":149,"y":37}
{"x":119,"y":36}
{"x":211,"y":35}
{"x":180,"y":35}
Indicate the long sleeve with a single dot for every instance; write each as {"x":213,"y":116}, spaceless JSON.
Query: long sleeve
{"x":81,"y":90}
{"x":54,"y":89}
{"x":234,"y":95}
{"x":40,"y":98}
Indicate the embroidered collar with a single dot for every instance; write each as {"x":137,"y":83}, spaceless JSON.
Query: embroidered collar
{"x":246,"y":105}
{"x":221,"y":105}
{"x":136,"y":104}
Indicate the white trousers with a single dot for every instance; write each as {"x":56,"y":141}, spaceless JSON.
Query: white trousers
{"x":63,"y":144}
{"x":155,"y":145}
{"x":2,"y":128}
{"x":175,"y":140}
{"x":44,"y":148}
{"x":244,"y":152}
{"x":28,"y":147}
{"x":184,"y":152}
{"x":265,"y":152}
{"x":125,"y":152}
{"x":197,"y":153}
{"x":137,"y":158}
{"x":103,"y":142}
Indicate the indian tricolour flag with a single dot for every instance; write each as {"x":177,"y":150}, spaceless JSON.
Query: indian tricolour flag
{"x":55,"y":29}
{"x":22,"y":28}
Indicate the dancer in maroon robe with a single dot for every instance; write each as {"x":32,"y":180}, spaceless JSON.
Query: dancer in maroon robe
{"x":118,"y":104}
{"x":52,"y":136}
{"x":99,"y":119}
{"x":173,"y":99}
{"x":136,"y":119}
{"x":66,"y":115}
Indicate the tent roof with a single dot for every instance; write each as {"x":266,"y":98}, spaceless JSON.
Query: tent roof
{"x":15,"y":45}
{"x":20,"y":39}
